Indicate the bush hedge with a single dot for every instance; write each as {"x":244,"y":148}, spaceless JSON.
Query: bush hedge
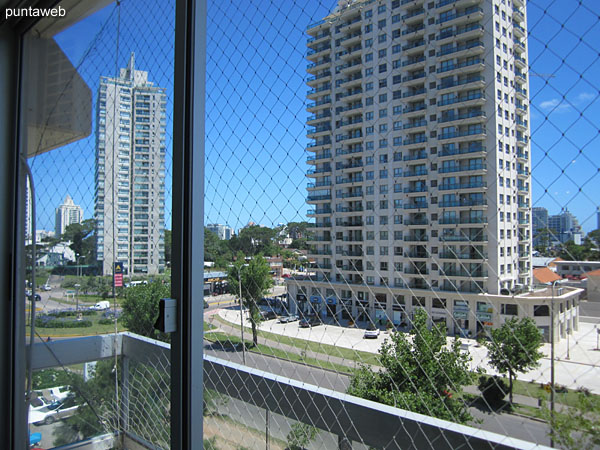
{"x":72,"y":313}
{"x":50,"y":322}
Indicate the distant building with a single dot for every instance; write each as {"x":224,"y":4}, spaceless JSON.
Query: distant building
{"x":564,"y":227}
{"x":222,"y":231}
{"x":67,"y":214}
{"x":539,"y":221}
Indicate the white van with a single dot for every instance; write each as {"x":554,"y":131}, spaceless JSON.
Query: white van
{"x":101,"y":306}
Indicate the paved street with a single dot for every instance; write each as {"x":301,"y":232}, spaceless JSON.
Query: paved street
{"x":582,"y":368}
{"x":514,"y":426}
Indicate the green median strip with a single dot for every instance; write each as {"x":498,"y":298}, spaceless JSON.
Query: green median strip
{"x":227,"y":340}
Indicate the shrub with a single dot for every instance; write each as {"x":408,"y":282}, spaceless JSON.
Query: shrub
{"x":50,"y":322}
{"x":107,"y":321}
{"x":493,"y":389}
{"x":72,"y":313}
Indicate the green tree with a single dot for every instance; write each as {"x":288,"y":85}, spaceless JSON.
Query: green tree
{"x":254,"y":240}
{"x":255,"y":280}
{"x":82,"y":239}
{"x":419,"y":373}
{"x":575,"y":427}
{"x":300,"y":436}
{"x":168,"y":246}
{"x":140,"y":309}
{"x":515,"y":348}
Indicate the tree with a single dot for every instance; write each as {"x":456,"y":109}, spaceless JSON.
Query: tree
{"x":168,"y":246}
{"x":575,"y":427}
{"x":255,"y":281}
{"x":419,"y":373}
{"x":254,"y":240}
{"x":140,"y":309}
{"x":300,"y":436}
{"x":82,"y":239}
{"x":514,"y":347}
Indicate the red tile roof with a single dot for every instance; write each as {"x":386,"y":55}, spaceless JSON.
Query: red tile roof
{"x":544,"y":275}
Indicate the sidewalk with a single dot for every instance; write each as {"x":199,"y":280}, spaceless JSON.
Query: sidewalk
{"x":581,"y":370}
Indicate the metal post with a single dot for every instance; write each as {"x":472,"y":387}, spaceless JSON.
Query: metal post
{"x":124,"y":393}
{"x":568,"y":346}
{"x":552,"y":364}
{"x":267,"y":441}
{"x":242,"y":318}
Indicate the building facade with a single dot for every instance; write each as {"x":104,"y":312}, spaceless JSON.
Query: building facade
{"x":130,"y":172}
{"x":66,"y":214}
{"x":222,"y":231}
{"x":420,"y":182}
{"x":564,"y":227}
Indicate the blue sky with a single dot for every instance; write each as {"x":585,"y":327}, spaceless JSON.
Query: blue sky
{"x":255,"y":122}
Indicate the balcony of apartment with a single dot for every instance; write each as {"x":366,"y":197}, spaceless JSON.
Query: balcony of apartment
{"x":319,"y":39}
{"x":352,"y":137}
{"x":351,"y":39}
{"x":319,"y":212}
{"x":522,"y":156}
{"x":418,"y":59}
{"x":415,"y":93}
{"x":419,"y":171}
{"x":463,"y":220}
{"x":462,"y":49}
{"x":319,"y":131}
{"x":350,"y":52}
{"x":319,"y":157}
{"x":416,"y":270}
{"x":322,"y":103}
{"x":464,"y":235}
{"x":350,"y":95}
{"x":354,"y":150}
{"x":520,"y":62}
{"x":319,"y":251}
{"x":415,"y":188}
{"x":461,"y":67}
{"x":320,"y":77}
{"x":350,"y":122}
{"x":350,"y":81}
{"x":413,"y":236}
{"x":471,"y":30}
{"x":316,"y":28}
{"x":520,"y":76}
{"x":522,"y":124}
{"x":352,"y":193}
{"x":349,"y":66}
{"x":320,"y":118}
{"x":414,"y":46}
{"x":413,"y":15}
{"x":414,"y":109}
{"x":318,"y":91}
{"x":350,"y":109}
{"x":517,"y":14}
{"x":358,"y":267}
{"x":409,"y":4}
{"x":351,"y":178}
{"x":315,"y":54}
{"x":318,"y":184}
{"x":413,"y":204}
{"x":467,"y":149}
{"x":463,"y":133}
{"x":318,"y":198}
{"x":466,"y":256}
{"x":349,"y":164}
{"x":317,"y":66}
{"x":523,"y":172}
{"x":418,"y":252}
{"x":463,"y":203}
{"x":464,"y":273}
{"x":319,"y":171}
{"x":352,"y":24}
{"x":352,"y":208}
{"x":416,"y":155}
{"x":472,"y":81}
{"x":355,"y":236}
{"x":463,"y":99}
{"x":415,"y":31}
{"x":523,"y":205}
{"x":522,"y":140}
{"x":522,"y":189}
{"x":518,"y":31}
{"x":474,"y":168}
{"x":458,"y":286}
{"x":416,"y":220}
{"x":349,"y":222}
{"x":468,"y":14}
{"x":319,"y":144}
{"x":414,"y":77}
{"x":319,"y":226}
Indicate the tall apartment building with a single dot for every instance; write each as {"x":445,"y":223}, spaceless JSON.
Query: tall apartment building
{"x":67,"y":214}
{"x":564,"y":227}
{"x":130,"y":172}
{"x":420,"y":178}
{"x":222,"y":231}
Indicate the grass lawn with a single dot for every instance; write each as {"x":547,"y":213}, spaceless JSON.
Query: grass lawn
{"x":95,"y":329}
{"x":229,"y":341}
{"x":317,"y":347}
{"x":85,"y":300}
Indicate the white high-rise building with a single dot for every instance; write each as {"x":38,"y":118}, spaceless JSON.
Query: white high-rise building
{"x":420,"y":183}
{"x":130,"y":172}
{"x":67,"y":214}
{"x":222,"y":231}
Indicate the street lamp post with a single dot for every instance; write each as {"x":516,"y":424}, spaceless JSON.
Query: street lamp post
{"x":242,"y":318}
{"x":552,"y":363}
{"x":77,"y":296}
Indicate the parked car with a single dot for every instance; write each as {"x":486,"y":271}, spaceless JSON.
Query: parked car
{"x":372,"y":332}
{"x":55,"y":411}
{"x":47,"y":287}
{"x":309,"y":322}
{"x":268,"y":315}
{"x":37,"y":297}
{"x":288,"y":318}
{"x":60,"y":393}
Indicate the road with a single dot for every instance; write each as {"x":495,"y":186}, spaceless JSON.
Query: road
{"x":511,"y":425}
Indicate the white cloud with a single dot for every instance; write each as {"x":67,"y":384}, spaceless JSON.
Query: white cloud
{"x":554,"y":105}
{"x":584,"y":97}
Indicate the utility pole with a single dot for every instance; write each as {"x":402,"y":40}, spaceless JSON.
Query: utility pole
{"x":242,"y":316}
{"x":552,"y":366}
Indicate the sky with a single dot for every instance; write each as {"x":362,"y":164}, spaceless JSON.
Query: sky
{"x":256,"y":100}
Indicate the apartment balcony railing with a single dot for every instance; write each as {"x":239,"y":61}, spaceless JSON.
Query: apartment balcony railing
{"x":468,"y":63}
{"x":457,"y":203}
{"x":451,"y":255}
{"x":351,"y":418}
{"x":460,"y":82}
{"x":462,"y":98}
{"x":416,"y":123}
{"x":415,"y":173}
{"x":468,"y":115}
{"x":452,"y":169}
{"x":459,"y":48}
{"x":458,"y":15}
{"x":462,"y":151}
